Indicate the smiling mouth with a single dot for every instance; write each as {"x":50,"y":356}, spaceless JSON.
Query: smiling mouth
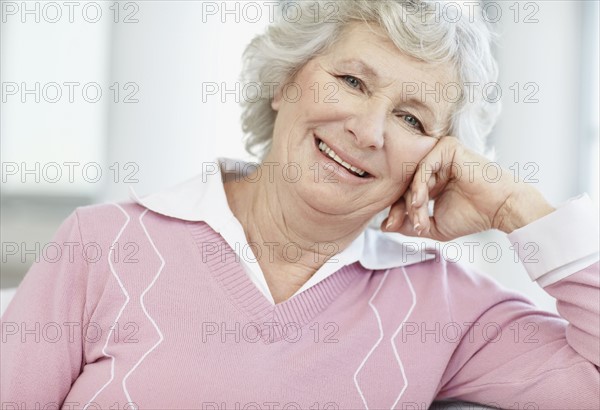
{"x":327,"y":151}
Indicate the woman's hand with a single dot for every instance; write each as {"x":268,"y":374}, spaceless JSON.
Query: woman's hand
{"x":470,"y":193}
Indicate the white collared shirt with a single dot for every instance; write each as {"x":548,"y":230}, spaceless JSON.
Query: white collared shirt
{"x":203,"y":198}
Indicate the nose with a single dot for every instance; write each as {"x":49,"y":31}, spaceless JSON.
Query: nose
{"x":367,"y":124}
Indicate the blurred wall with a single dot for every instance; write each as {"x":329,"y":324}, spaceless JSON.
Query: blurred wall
{"x":178,"y":53}
{"x":54,"y":72}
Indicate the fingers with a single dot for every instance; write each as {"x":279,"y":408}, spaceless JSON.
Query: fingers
{"x":428,"y":180}
{"x":407,"y":229}
{"x":405,"y":212}
{"x":396,"y":216}
{"x":406,"y":220}
{"x":437,"y":163}
{"x":399,"y":220}
{"x":418,"y":210}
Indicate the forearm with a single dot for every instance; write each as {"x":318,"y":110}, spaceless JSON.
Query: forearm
{"x":523,"y":207}
{"x":560,"y":252}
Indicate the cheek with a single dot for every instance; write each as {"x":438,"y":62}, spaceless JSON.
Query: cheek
{"x":406,"y":158}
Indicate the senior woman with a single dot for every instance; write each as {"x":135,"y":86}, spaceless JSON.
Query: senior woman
{"x":174,"y":309}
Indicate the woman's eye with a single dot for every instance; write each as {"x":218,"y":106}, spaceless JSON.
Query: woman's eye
{"x":413,"y":122}
{"x":352,"y":81}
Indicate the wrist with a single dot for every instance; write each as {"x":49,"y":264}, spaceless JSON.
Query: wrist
{"x":522,"y":207}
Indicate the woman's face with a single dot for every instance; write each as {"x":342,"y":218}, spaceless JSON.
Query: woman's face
{"x":355,"y":99}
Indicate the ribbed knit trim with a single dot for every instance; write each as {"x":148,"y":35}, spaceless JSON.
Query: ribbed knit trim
{"x":295,"y":312}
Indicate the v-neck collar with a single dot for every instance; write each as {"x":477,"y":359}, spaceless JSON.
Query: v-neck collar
{"x":272,"y":320}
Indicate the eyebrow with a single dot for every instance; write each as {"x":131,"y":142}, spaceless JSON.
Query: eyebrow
{"x":412,"y":100}
{"x":362,"y":66}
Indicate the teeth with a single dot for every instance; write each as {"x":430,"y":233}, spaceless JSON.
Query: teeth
{"x":329,"y":152}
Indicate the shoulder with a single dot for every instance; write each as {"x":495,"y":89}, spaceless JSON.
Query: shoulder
{"x":101,"y":222}
{"x":107,"y":211}
{"x":114,"y":213}
{"x":462,"y":289}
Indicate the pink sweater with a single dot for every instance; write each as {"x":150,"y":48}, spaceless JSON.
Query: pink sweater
{"x":147,"y":315}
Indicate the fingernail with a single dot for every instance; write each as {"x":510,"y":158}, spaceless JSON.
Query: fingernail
{"x":416,"y":227}
{"x":414,"y":199}
{"x":389,"y":223}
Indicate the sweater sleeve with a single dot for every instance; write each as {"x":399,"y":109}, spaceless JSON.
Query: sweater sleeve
{"x":516,"y":356}
{"x":42,"y":326}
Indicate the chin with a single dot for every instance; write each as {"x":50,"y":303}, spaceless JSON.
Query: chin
{"x":324,"y":197}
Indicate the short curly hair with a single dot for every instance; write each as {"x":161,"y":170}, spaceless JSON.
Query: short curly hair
{"x":430,"y":31}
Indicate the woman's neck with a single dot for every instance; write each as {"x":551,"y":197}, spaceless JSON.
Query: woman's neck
{"x":291,"y":239}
